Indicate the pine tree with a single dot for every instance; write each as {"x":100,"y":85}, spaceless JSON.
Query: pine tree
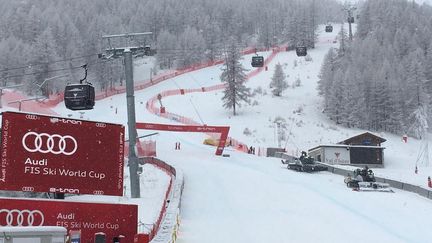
{"x":418,"y":122}
{"x":328,"y":70}
{"x":278,"y":83}
{"x":166,"y":55}
{"x":234,"y":77}
{"x":343,"y":40}
{"x":337,"y":99}
{"x":191,"y":45}
{"x":44,"y":52}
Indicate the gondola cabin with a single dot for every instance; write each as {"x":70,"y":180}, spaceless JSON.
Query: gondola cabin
{"x":329,"y":28}
{"x":350,"y":20}
{"x":257,"y":61}
{"x":301,"y":51}
{"x":79,"y":96}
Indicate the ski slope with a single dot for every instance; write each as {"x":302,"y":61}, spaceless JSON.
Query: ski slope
{"x":246,"y":198}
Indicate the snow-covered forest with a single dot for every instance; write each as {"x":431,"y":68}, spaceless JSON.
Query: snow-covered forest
{"x":382,"y":80}
{"x":43,"y":38}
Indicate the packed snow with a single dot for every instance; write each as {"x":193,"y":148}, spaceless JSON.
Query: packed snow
{"x":246,"y":198}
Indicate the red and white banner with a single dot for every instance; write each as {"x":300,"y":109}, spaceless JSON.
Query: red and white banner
{"x":55,"y":154}
{"x":89,"y":218}
{"x":190,"y":128}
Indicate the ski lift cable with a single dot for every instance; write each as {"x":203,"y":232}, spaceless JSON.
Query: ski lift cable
{"x":423,"y":154}
{"x":194,"y":79}
{"x":199,"y":116}
{"x":55,"y":70}
{"x":289,"y":137}
{"x":44,"y":63}
{"x":176,"y":84}
{"x":420,"y":154}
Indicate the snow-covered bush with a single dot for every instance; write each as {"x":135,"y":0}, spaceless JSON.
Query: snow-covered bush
{"x":247,"y":132}
{"x":299,"y":110}
{"x":297,"y":82}
{"x":257,"y":90}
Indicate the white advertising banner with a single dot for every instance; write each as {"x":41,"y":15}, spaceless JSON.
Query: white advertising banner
{"x":337,"y":155}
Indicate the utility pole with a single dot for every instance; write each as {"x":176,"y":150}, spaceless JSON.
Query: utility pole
{"x":350,"y":19}
{"x":126,"y":53}
{"x":313,"y":24}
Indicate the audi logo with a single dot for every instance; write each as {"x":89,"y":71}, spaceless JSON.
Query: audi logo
{"x":31,"y":117}
{"x":27,"y":189}
{"x":99,"y":124}
{"x":98,"y":193}
{"x":46,"y":143}
{"x":16,"y":217}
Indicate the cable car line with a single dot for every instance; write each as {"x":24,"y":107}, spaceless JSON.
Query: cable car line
{"x":51,"y":71}
{"x":43,"y":63}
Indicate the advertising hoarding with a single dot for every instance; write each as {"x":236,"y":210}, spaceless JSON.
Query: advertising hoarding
{"x":223,"y":130}
{"x":87,"y":218}
{"x":54,"y":154}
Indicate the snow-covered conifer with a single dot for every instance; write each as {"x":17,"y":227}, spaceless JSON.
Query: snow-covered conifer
{"x":278,"y":83}
{"x":234,"y":77}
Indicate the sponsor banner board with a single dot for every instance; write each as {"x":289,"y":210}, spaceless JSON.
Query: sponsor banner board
{"x":223,"y":130}
{"x":87,"y":218}
{"x":54,"y":154}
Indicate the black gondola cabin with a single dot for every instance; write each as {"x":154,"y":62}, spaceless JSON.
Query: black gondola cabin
{"x":329,"y":28}
{"x":257,"y":61}
{"x":351,"y":20}
{"x":79,"y":96}
{"x":301,"y":51}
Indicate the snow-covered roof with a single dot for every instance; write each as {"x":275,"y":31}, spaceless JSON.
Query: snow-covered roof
{"x":347,"y":141}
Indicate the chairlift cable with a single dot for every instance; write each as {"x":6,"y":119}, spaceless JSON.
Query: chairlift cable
{"x":43,"y":63}
{"x":199,"y":116}
{"x":51,"y":71}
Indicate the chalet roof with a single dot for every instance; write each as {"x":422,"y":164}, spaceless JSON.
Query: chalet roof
{"x":367,"y":134}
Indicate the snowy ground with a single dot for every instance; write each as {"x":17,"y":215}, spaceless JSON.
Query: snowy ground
{"x":245,"y":198}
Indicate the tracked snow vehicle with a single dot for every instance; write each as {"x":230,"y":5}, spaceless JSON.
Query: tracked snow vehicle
{"x":304,"y":164}
{"x":364,"y":180}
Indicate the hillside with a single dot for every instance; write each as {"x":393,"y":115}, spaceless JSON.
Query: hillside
{"x":245,"y":198}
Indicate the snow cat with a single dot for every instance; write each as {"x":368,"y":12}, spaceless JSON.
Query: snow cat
{"x":304,"y":164}
{"x":364,"y":180}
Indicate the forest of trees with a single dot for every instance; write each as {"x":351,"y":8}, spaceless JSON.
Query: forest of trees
{"x":382,"y":80}
{"x":38,"y":34}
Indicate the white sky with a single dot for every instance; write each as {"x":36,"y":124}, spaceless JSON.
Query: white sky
{"x":356,"y":1}
{"x":245,"y":198}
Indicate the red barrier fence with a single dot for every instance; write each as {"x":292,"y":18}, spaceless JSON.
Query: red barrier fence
{"x":143,"y":237}
{"x":57,"y":98}
{"x":223,"y":131}
{"x":188,"y":121}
